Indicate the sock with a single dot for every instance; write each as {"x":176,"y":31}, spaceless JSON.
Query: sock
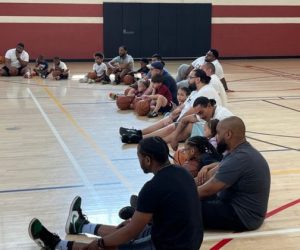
{"x":89,"y":228}
{"x":62,"y":245}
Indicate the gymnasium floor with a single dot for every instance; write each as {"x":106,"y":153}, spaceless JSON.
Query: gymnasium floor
{"x":60,"y":139}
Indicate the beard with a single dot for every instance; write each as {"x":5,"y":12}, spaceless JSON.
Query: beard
{"x":222,"y":147}
{"x":192,"y":86}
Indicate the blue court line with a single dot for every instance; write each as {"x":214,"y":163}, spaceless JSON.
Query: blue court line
{"x":54,"y":188}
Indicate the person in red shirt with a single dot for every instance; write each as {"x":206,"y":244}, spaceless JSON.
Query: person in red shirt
{"x":161,"y":95}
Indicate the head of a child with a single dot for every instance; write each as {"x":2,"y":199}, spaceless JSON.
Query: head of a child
{"x":157,"y":81}
{"x":56,"y":60}
{"x":98,"y":57}
{"x":182,"y":94}
{"x":210,"y":128}
{"x":195,"y":146}
{"x":143,"y":85}
{"x":144,"y":62}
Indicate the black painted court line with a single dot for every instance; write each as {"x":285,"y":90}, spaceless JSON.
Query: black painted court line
{"x":297,"y":110}
{"x":276,"y":135}
{"x":273,"y":144}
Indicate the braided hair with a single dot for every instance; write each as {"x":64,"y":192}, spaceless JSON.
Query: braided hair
{"x":156,"y":148}
{"x":204,"y":146}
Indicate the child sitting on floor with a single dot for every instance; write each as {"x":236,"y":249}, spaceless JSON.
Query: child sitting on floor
{"x":59,"y":71}
{"x":99,"y":71}
{"x":40,"y":67}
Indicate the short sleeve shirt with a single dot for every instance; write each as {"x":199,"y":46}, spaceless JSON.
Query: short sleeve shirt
{"x":11,"y":54}
{"x":100,"y":69}
{"x":171,"y":197}
{"x":124,"y":60}
{"x":247,"y":175}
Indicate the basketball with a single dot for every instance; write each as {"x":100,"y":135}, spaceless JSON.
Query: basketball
{"x":123,"y":102}
{"x":128,"y":79}
{"x":192,"y":166}
{"x":2,"y":59}
{"x":92,"y":75}
{"x":142,"y":107}
{"x":179,"y":157}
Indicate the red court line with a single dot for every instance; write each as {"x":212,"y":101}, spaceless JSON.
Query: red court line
{"x":224,"y":242}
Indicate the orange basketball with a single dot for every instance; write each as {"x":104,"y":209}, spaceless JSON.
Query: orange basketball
{"x":179,"y":157}
{"x":128,"y":79}
{"x":92,"y":75}
{"x":142,"y":107}
{"x":192,"y":166}
{"x":123,"y":102}
{"x":2,"y":59}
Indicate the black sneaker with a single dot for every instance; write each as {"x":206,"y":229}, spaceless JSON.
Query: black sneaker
{"x":123,"y":131}
{"x":76,"y":219}
{"x":45,"y":75}
{"x":131,"y":138}
{"x":133,"y":201}
{"x":126,"y":213}
{"x":41,"y":236}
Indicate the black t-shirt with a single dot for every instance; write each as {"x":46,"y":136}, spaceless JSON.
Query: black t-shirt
{"x":171,"y":196}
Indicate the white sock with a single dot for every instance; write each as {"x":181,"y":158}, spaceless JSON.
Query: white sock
{"x":89,"y":228}
{"x":62,"y":245}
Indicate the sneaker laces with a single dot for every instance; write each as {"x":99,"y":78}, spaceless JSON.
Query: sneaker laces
{"x":81,"y":215}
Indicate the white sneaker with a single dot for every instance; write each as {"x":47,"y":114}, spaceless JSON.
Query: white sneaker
{"x":91,"y":81}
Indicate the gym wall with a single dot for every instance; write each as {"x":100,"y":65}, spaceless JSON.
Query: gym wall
{"x":74,"y":29}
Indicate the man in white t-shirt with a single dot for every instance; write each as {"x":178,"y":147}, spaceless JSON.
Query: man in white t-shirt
{"x":16,"y":62}
{"x":192,"y":125}
{"x":120,"y":65}
{"x":211,"y":56}
{"x":165,"y":127}
{"x":209,"y":69}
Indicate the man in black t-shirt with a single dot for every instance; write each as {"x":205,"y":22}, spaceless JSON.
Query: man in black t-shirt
{"x":169,"y":201}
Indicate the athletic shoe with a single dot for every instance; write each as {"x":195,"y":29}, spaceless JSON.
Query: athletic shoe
{"x":42,"y":236}
{"x":91,"y":81}
{"x":133,"y":201}
{"x":123,"y":131}
{"x":126,"y":213}
{"x":83,"y":80}
{"x":131,"y":138}
{"x":113,"y":96}
{"x":45,"y":75}
{"x":76,"y":219}
{"x":152,"y":114}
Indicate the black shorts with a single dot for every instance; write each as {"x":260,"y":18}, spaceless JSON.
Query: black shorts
{"x":167,"y":108}
{"x":7,"y":70}
{"x":64,"y":76}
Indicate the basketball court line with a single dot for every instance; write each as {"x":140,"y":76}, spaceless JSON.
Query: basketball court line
{"x":273,"y":212}
{"x":252,"y":234}
{"x":91,"y":142}
{"x":275,"y":135}
{"x":286,"y":107}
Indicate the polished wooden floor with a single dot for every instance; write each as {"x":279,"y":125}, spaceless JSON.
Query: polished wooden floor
{"x":60,"y":139}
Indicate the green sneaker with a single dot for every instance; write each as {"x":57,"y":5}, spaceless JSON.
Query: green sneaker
{"x":41,"y":236}
{"x":76,"y":219}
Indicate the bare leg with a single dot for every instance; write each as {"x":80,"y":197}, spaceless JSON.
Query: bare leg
{"x":25,"y":70}
{"x":163,"y":132}
{"x":160,"y":102}
{"x":158,"y":125}
{"x":183,"y":131}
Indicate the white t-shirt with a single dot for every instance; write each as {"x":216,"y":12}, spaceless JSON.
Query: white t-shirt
{"x":218,"y":86}
{"x":220,"y":113}
{"x":201,"y":60}
{"x":61,"y":66}
{"x":100,"y":69}
{"x":206,"y":91}
{"x":11,"y":55}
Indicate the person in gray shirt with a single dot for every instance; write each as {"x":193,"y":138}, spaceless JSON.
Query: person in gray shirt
{"x":235,"y":192}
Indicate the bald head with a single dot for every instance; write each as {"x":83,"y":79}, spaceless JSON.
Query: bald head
{"x":235,"y":125}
